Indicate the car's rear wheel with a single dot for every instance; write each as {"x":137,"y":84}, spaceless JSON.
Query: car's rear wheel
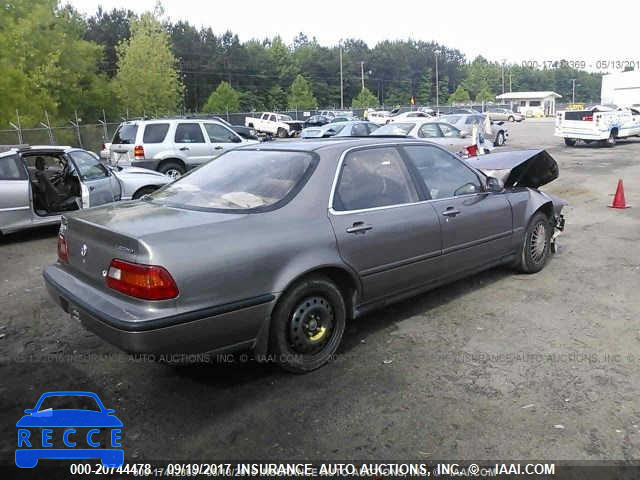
{"x":172,"y":169}
{"x":536,"y":246}
{"x":569,"y":142}
{"x":511,"y":118}
{"x":143,"y":191}
{"x":499,"y":139}
{"x":282,"y":133}
{"x":611,"y":141}
{"x":307,"y":325}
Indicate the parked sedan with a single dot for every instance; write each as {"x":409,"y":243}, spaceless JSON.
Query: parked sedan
{"x":435,"y":131}
{"x":286,"y":243}
{"x":37,"y":184}
{"x":356,"y":128}
{"x":504,"y":115}
{"x":496,"y":136}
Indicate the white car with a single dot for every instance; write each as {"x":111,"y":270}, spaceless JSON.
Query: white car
{"x":277,"y":124}
{"x":600,"y":124}
{"x":414,"y":114}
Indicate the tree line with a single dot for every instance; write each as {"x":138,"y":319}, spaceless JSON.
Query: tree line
{"x":116,"y":63}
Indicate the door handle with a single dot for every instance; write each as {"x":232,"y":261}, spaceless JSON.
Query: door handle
{"x":183,"y":148}
{"x":359,"y":227}
{"x":450,"y":212}
{"x":217,"y":148}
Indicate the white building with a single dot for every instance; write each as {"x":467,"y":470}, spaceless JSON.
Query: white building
{"x":621,"y":89}
{"x":531,"y":104}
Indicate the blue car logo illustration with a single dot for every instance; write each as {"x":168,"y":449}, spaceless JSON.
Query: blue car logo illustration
{"x":84,"y":433}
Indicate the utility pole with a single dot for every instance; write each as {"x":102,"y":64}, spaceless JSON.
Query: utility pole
{"x":509,"y":82}
{"x":436,"y":53}
{"x":573,"y":90}
{"x":503,"y":60}
{"x":362,"y":73}
{"x":341,"y":82}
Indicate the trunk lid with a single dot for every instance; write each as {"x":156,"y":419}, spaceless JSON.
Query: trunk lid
{"x":523,"y":168}
{"x":127,"y":231}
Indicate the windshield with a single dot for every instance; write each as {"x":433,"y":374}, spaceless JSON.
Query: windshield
{"x":238,"y":180}
{"x":69,"y":402}
{"x":395,"y":128}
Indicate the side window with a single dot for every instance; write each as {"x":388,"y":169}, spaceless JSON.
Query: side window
{"x":10,"y":168}
{"x":88,"y":166}
{"x":372,"y":127}
{"x":189,"y":133}
{"x":155,"y":132}
{"x":218,"y":133}
{"x":429,"y":130}
{"x":272,"y":118}
{"x":449,"y":130}
{"x":444,"y":175}
{"x":374,"y":177}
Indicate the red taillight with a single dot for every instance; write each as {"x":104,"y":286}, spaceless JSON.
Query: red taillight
{"x":472,"y":150}
{"x":138,"y":151}
{"x":63,"y":251}
{"x":148,"y":282}
{"x":587,"y":118}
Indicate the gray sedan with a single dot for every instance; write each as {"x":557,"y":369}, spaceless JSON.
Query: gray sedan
{"x":38,"y":184}
{"x":276,"y":247}
{"x":465,"y":122}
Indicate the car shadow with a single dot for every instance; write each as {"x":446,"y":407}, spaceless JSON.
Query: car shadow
{"x":229,"y":370}
{"x":32,"y":234}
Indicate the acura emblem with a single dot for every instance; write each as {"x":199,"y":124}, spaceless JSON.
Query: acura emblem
{"x":83,"y":250}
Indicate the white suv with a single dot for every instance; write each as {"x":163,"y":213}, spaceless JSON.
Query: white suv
{"x":171,"y":146}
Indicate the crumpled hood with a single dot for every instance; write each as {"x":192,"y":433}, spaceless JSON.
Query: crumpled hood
{"x":522,"y":168}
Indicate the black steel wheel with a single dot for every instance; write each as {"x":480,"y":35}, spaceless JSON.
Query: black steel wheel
{"x":307,"y":325}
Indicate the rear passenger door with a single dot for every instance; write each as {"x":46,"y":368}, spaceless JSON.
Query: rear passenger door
{"x":15,"y":204}
{"x":384,"y":230}
{"x":221,"y":138}
{"x":189,"y":140}
{"x":476,"y":225}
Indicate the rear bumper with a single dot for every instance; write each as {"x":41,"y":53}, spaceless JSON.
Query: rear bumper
{"x":581,"y":135}
{"x":133,"y":328}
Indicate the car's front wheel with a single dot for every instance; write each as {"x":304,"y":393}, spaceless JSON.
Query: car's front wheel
{"x":536,"y":246}
{"x":307,"y":325}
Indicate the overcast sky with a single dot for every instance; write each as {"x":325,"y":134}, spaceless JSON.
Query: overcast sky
{"x":541,"y":31}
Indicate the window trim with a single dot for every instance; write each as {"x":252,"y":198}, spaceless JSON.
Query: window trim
{"x":420,"y":187}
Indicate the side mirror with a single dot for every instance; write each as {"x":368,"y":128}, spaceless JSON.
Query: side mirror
{"x":463,"y":135}
{"x":236,"y":139}
{"x":30,"y":410}
{"x":494,"y":185}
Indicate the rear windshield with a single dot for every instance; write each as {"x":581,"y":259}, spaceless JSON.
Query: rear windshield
{"x":125,"y":134}
{"x":155,"y":132}
{"x":240,"y":180}
{"x":395,"y":128}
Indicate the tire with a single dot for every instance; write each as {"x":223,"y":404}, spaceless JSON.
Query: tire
{"x":307,"y":325}
{"x":611,"y":141}
{"x":534,"y":255}
{"x":511,"y":118}
{"x":569,"y":142}
{"x":499,"y":139}
{"x":282,"y":133}
{"x":143,"y":191}
{"x":172,"y":169}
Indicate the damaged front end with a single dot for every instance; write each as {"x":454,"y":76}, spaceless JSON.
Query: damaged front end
{"x":527,"y":170}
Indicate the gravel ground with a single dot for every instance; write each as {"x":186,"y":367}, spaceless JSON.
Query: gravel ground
{"x":499,"y":365}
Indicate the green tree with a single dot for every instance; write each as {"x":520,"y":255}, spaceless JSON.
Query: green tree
{"x":485,"y":95}
{"x":223,"y":99}
{"x":147,"y":78}
{"x":46,"y":65}
{"x":300,"y":95}
{"x":365,"y":99}
{"x":459,"y":96}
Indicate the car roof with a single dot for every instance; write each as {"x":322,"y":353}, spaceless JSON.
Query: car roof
{"x":36,"y":148}
{"x":321,"y":144}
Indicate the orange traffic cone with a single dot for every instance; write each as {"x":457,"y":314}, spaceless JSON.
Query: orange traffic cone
{"x":618,"y":199}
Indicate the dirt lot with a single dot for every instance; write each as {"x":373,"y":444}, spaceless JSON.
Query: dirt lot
{"x":496,"y":366}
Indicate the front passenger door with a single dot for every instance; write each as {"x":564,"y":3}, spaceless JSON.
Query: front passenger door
{"x":476,"y":225}
{"x":221,"y":138}
{"x":95,"y":180}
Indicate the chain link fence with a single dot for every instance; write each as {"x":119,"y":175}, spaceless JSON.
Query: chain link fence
{"x":94,"y":136}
